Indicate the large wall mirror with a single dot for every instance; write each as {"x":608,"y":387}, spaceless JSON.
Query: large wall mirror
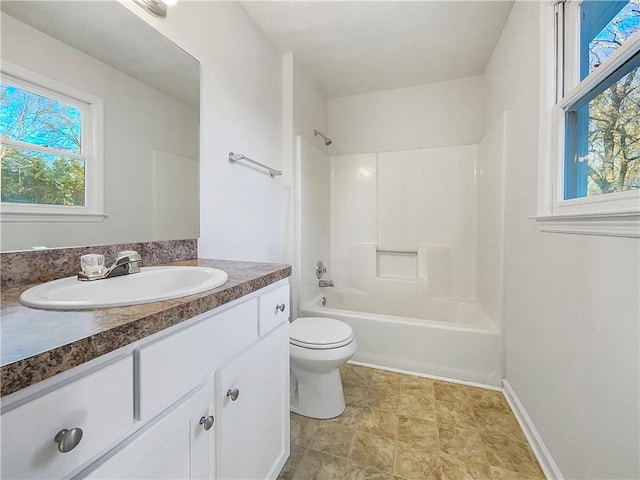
{"x":144,"y":88}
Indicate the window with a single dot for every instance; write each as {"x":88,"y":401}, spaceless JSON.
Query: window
{"x":51,"y":158}
{"x":594,"y":120}
{"x":602,"y":136}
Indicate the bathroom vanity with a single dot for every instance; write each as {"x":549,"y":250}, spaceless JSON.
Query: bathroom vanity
{"x":195,"y":387}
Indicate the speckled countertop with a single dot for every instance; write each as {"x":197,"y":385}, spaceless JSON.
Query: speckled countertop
{"x":37,"y":344}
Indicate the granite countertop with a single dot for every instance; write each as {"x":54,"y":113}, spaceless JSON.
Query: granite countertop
{"x":38,"y":344}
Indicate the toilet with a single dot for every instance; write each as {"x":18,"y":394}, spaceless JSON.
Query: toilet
{"x":319,"y":347}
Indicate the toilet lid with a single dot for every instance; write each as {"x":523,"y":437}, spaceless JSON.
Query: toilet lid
{"x":319,"y":332}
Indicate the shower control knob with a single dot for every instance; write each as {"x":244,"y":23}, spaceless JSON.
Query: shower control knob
{"x":280,"y":307}
{"x":233,"y":394}
{"x":67,"y":440}
{"x":207,"y":422}
{"x":320,"y":269}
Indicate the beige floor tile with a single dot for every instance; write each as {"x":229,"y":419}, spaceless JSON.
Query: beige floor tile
{"x":403,"y":427}
{"x":453,"y":468}
{"x":288,"y":471}
{"x":351,"y":414}
{"x":302,"y":430}
{"x":417,"y":386}
{"x":383,"y":423}
{"x":494,"y":401}
{"x":455,"y":393}
{"x":458,"y":414}
{"x":353,"y":471}
{"x":373,"y":451}
{"x":415,"y":382}
{"x":416,"y":405}
{"x":356,"y":375}
{"x":499,"y":425}
{"x":473,"y":393}
{"x":344,"y":419}
{"x":416,"y":431}
{"x":510,"y":455}
{"x":448,"y":392}
{"x":502,"y":474}
{"x":318,"y":466}
{"x":389,"y":380}
{"x":464,"y":443}
{"x":355,"y":395}
{"x":417,"y":463}
{"x":333,"y":439}
{"x":381,"y":399}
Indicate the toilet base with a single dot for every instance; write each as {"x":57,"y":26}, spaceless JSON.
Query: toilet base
{"x":317,"y":395}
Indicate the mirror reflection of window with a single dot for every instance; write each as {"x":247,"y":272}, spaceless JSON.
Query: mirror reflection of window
{"x":43,"y":160}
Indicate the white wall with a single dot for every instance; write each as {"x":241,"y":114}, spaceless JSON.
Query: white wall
{"x":243,"y":211}
{"x":310,"y":106}
{"x":305,"y":109}
{"x":137,"y":120}
{"x":432,"y":115}
{"x":571,"y":302}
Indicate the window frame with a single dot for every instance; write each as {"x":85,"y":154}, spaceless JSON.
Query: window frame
{"x":92,"y":133}
{"x":612,"y":214}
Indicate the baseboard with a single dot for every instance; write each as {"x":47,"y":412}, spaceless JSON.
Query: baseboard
{"x":545,"y":460}
{"x":424,"y":375}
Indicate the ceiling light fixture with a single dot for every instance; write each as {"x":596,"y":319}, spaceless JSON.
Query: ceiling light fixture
{"x":154,"y":7}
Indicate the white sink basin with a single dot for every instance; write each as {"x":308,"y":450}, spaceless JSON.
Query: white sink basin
{"x":152,"y":284}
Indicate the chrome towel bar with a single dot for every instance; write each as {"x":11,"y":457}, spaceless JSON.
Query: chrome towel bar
{"x":236,"y":157}
{"x":398,"y":252}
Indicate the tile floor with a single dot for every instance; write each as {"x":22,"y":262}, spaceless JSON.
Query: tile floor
{"x":401,"y":427}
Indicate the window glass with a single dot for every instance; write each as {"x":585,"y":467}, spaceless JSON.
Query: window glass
{"x":31,"y":118}
{"x":34,"y":177}
{"x":605,"y":26}
{"x":42,"y":160}
{"x":602,"y":147}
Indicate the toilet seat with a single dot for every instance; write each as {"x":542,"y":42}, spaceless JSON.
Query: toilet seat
{"x":320,"y":333}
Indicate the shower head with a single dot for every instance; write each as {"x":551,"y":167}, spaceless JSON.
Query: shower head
{"x":327,"y":140}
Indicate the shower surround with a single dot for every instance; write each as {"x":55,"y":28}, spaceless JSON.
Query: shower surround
{"x":403,"y":251}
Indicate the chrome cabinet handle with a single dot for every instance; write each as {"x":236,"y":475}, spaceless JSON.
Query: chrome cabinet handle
{"x":280,"y":307}
{"x":207,"y":422}
{"x":233,"y":394}
{"x":67,"y":440}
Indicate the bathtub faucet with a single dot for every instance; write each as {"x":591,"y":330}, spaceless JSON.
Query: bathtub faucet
{"x":326,"y":283}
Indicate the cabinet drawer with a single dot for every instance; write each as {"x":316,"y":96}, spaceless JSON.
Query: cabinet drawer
{"x":271,"y":313}
{"x":101,"y":404}
{"x":172,"y":366}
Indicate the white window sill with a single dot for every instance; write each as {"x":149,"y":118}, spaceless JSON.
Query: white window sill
{"x":51,"y":217}
{"x":610,"y":224}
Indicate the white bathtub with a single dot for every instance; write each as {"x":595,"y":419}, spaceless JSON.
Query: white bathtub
{"x":444,"y":338}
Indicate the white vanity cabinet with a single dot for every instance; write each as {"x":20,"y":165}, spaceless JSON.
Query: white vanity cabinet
{"x":252,"y":410}
{"x":159,"y":407}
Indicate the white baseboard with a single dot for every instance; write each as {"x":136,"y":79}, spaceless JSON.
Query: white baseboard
{"x":551,"y":470}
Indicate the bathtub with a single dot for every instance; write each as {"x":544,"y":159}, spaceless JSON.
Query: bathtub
{"x":437,"y":337}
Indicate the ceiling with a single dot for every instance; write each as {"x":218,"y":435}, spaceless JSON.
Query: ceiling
{"x":357,"y":47}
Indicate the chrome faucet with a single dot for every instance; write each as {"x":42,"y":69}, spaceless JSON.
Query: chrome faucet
{"x":127,"y":263}
{"x":326,"y":283}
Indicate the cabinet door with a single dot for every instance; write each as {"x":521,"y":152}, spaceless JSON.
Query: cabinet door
{"x":174,"y":446}
{"x":253,"y":429}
